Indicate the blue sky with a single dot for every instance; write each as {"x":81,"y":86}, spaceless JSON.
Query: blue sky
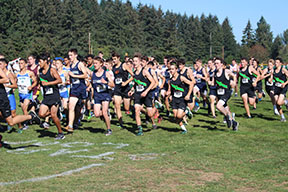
{"x":237,"y":11}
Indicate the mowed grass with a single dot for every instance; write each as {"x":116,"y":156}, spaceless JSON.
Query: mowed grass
{"x":210,"y":157}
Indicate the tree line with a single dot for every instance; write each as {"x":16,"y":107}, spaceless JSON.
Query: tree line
{"x":54,"y":26}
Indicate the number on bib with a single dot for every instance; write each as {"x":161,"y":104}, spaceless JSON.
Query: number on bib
{"x":100,"y":88}
{"x":48,"y":90}
{"x":268,"y":83}
{"x":277,"y":84}
{"x":178,"y":94}
{"x":139,"y":88}
{"x":220,"y":91}
{"x":118,"y":80}
{"x":244,"y":80}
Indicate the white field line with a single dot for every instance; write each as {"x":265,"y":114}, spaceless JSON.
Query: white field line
{"x":51,"y":176}
{"x":95,"y":156}
{"x":118,"y":145}
{"x":66,"y":151}
{"x":19,"y":143}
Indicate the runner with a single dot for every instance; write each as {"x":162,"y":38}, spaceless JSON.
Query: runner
{"x":101,"y":79}
{"x":26,"y":80}
{"x":49,"y":80}
{"x":122,"y":88}
{"x":32,"y":66}
{"x":222,"y":81}
{"x":235,"y":69}
{"x":258,"y":88}
{"x":269,"y":84}
{"x":212,"y":88}
{"x":9,"y":90}
{"x":201,"y":87}
{"x":63,"y":89}
{"x":280,"y":77}
{"x":247,"y":85}
{"x":177,"y":88}
{"x":188,"y":74}
{"x":77,"y":74}
{"x":144,"y":82}
{"x":5,"y":110}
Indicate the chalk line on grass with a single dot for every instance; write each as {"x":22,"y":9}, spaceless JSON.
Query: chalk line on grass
{"x":96,"y":156}
{"x":144,"y":156}
{"x":118,"y":145}
{"x":51,"y":176}
{"x":81,"y":144}
{"x":24,"y":151}
{"x":18,"y":143}
{"x":65,"y":151}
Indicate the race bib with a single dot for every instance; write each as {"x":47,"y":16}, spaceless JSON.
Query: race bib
{"x":22,"y":89}
{"x":254,"y":79}
{"x":268,"y":83}
{"x":244,"y":80}
{"x":139,"y":88}
{"x":62,"y":89}
{"x":277,"y":84}
{"x":178,"y":94}
{"x":75,"y":81}
{"x":118,"y":80}
{"x":198,"y":80}
{"x":220,"y":91}
{"x":100,"y":88}
{"x":48,"y":90}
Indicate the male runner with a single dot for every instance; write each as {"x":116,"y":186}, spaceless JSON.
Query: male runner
{"x":144,"y":82}
{"x":49,"y":80}
{"x":77,"y":74}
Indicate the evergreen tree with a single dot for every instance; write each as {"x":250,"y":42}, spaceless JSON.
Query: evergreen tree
{"x":276,"y":47}
{"x":264,"y":36}
{"x":229,"y":41}
{"x":248,"y":38}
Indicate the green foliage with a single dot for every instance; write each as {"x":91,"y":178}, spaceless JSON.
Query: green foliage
{"x":36,"y":26}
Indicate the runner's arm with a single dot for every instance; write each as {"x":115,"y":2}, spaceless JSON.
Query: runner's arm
{"x":4,"y":79}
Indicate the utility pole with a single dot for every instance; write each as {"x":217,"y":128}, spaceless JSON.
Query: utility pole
{"x":89,"y":42}
{"x":222,"y":52}
{"x":210,"y":37}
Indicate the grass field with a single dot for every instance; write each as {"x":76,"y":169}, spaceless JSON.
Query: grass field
{"x":209,"y":158}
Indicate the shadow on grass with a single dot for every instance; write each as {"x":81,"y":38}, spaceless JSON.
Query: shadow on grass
{"x":93,"y":130}
{"x":170,"y":129}
{"x":7,"y":146}
{"x":45,"y":133}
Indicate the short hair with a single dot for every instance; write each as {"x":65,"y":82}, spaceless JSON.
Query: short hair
{"x":137,"y":55}
{"x":33,"y":56}
{"x":279,"y":59}
{"x":181,"y":61}
{"x":199,"y":60}
{"x":4,"y":60}
{"x":150,"y":63}
{"x":89,"y":55}
{"x":97,"y":58}
{"x":66,"y":56}
{"x":271,"y":60}
{"x":115,"y":54}
{"x":244,"y":58}
{"x":173,"y":62}
{"x":256,"y":61}
{"x":22,"y":59}
{"x":220,"y":59}
{"x":73,"y":50}
{"x":100,"y":52}
{"x":145,"y":58}
{"x":43,"y":57}
{"x":109,"y":60}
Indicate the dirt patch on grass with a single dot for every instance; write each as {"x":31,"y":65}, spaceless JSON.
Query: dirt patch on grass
{"x":246,"y":189}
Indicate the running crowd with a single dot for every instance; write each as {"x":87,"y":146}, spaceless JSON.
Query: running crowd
{"x":75,"y":88}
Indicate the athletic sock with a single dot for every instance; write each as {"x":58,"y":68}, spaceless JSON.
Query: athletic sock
{"x":274,"y":107}
{"x":183,"y":127}
{"x":282,"y":116}
{"x":121,"y":121}
{"x":285,"y":102}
